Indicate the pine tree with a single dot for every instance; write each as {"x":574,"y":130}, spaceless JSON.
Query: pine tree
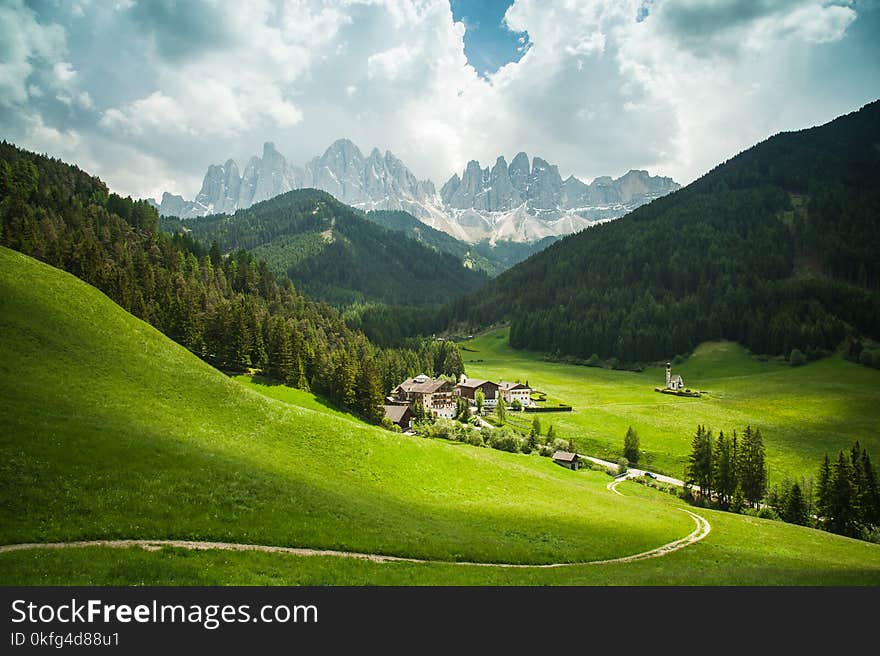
{"x":823,"y":491}
{"x":842,"y":518}
{"x":281,"y":353}
{"x":699,"y":470}
{"x":871,"y":496}
{"x":857,"y":479}
{"x":301,"y":381}
{"x":501,"y":410}
{"x":631,"y":446}
{"x":216,"y":257}
{"x":344,"y":376}
{"x":369,"y":392}
{"x":751,"y":468}
{"x":795,"y":508}
{"x":724,"y":470}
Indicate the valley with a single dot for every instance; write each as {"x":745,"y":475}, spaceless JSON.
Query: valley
{"x":140,"y":439}
{"x":803,"y":412}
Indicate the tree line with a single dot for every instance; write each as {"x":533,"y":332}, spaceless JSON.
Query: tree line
{"x":847,"y":495}
{"x":231,"y":310}
{"x":731,"y":474}
{"x":729,"y":470}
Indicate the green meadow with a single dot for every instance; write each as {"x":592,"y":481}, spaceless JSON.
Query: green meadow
{"x":740,"y":550}
{"x":112,"y":431}
{"x":803,"y":412}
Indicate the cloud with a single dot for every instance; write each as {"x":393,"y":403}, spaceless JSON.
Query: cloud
{"x":147,"y":94}
{"x":729,"y":26}
{"x":24,"y":44}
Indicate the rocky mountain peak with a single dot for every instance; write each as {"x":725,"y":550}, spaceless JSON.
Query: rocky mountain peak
{"x":521,"y":201}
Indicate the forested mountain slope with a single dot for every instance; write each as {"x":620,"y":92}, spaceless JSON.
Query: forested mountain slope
{"x":776,"y":248}
{"x":231,"y":311}
{"x":334,"y":253}
{"x":492,"y":258}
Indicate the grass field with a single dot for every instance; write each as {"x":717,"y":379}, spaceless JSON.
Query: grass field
{"x":110,"y":430}
{"x":739,"y":550}
{"x":802,"y":412}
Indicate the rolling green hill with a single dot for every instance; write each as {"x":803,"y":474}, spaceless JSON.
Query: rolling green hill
{"x":334,"y":254}
{"x":803,"y":412}
{"x":110,"y":430}
{"x":775,"y":249}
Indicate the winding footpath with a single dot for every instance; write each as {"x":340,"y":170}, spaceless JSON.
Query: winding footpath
{"x":701,"y":531}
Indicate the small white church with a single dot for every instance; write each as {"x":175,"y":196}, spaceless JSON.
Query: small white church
{"x":673,"y":382}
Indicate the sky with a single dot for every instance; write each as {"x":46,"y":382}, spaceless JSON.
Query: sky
{"x":488,"y":42}
{"x":148,"y":94}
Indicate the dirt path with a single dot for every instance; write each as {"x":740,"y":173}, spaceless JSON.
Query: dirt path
{"x":701,"y":531}
{"x":612,"y":486}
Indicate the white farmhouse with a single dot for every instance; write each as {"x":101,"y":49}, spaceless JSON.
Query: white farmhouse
{"x":515,"y":391}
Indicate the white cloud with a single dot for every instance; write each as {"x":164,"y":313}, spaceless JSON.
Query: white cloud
{"x":390,"y":64}
{"x":44,"y":138}
{"x":64,"y":72}
{"x":813,"y":23}
{"x":730,"y":75}
{"x":84,"y":100}
{"x":24,"y":43}
{"x":162,"y":90}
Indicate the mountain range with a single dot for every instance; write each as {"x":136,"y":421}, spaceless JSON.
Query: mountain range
{"x":523,"y":202}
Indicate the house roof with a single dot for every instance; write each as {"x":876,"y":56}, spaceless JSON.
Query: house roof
{"x":511,"y":386}
{"x":396,"y":413}
{"x":565,"y":456}
{"x":476,"y":382}
{"x":423,"y":386}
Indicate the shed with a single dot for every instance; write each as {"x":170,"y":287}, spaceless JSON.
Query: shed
{"x":566,"y":459}
{"x":399,"y":414}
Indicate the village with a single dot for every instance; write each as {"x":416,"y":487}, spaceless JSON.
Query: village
{"x":440,"y":397}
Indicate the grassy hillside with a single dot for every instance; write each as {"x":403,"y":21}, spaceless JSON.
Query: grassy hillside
{"x":334,"y":253}
{"x":802,"y":412}
{"x":111,"y":430}
{"x":740,"y":550}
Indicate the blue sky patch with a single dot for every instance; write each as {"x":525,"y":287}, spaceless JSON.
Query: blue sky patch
{"x":488,"y":43}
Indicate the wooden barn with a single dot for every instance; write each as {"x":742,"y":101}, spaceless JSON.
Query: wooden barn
{"x":566,"y":459}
